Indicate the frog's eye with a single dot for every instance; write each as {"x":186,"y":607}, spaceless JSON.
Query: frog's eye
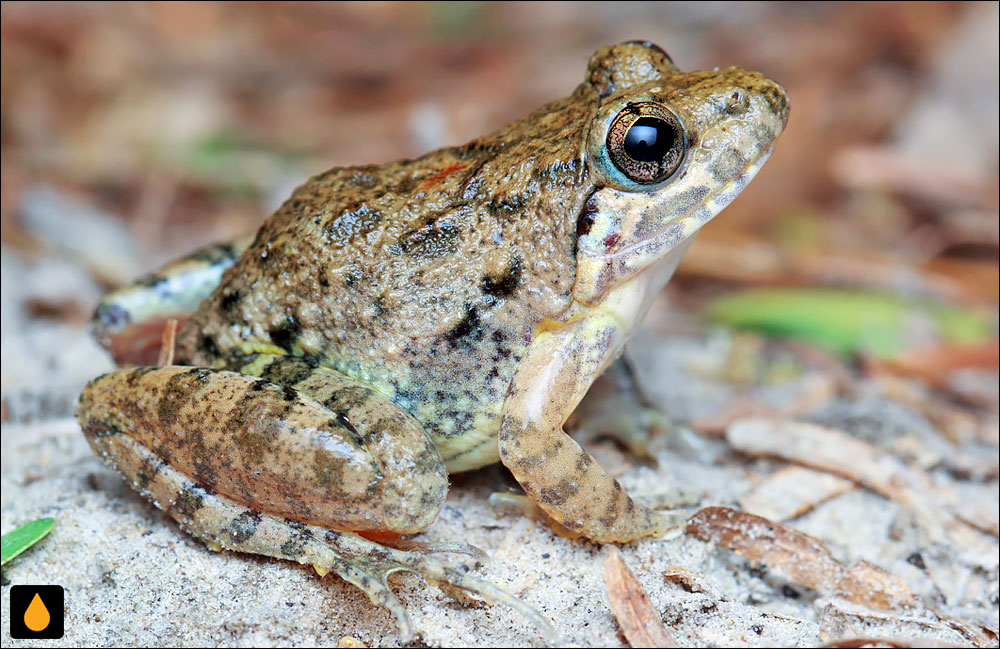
{"x":646,"y":142}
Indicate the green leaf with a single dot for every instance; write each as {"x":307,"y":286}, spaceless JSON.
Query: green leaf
{"x":16,"y":542}
{"x":848,"y":321}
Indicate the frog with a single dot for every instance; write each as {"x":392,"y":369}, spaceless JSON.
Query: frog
{"x":390,"y":325}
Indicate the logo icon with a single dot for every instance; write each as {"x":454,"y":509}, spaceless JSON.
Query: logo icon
{"x":37,"y":612}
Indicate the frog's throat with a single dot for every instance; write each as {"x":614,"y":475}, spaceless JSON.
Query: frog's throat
{"x":598,"y":272}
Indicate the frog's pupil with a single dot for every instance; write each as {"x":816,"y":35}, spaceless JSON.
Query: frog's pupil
{"x":649,"y":139}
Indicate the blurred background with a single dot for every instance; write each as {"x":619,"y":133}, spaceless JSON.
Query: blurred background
{"x":132,"y":132}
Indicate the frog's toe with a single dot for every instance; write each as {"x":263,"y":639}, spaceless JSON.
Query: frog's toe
{"x":367,"y":565}
{"x":374,"y":584}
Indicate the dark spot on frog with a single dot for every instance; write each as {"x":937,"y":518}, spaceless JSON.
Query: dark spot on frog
{"x":153,"y":280}
{"x":289,"y":394}
{"x":207,"y":345}
{"x":347,"y":397}
{"x":328,"y":470}
{"x":220,"y":253}
{"x":230,"y":300}
{"x":611,"y":240}
{"x":189,"y":500}
{"x":100,"y":429}
{"x":504,"y":285}
{"x":289,"y":370}
{"x":507,"y":208}
{"x":241,"y":528}
{"x":560,"y":172}
{"x":179,"y":390}
{"x":357,"y":220}
{"x":111,"y":315}
{"x":587,"y":215}
{"x":285,"y":334}
{"x":294,"y":546}
{"x":776,"y":100}
{"x":431,"y":241}
{"x":558,"y":494}
{"x":467,"y":330}
{"x":148,"y":470}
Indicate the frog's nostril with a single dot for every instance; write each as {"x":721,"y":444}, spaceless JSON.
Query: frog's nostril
{"x":737,"y":103}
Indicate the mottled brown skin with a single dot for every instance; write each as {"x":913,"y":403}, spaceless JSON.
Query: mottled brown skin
{"x":423,"y":278}
{"x":391,"y":323}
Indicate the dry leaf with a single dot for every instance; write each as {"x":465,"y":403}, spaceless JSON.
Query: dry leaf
{"x":638,"y":619}
{"x":791,"y":492}
{"x":799,"y":557}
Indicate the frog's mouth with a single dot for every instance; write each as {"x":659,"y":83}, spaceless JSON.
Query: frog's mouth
{"x":638,"y":235}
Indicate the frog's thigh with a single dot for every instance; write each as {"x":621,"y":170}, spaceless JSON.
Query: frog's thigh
{"x":352,"y":462}
{"x":561,"y":477}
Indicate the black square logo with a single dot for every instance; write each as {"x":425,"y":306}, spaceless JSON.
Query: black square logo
{"x":37,"y":612}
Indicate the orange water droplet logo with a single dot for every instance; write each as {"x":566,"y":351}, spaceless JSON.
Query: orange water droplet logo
{"x":36,"y":617}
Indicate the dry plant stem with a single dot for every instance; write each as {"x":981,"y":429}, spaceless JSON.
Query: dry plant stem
{"x":636,"y":615}
{"x":167,"y":343}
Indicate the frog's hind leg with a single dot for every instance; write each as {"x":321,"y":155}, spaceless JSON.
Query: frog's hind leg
{"x":223,"y":523}
{"x":287,"y":466}
{"x":128,"y":322}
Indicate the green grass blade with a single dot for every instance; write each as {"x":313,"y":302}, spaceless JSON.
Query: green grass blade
{"x":847,"y":321}
{"x":16,"y":542}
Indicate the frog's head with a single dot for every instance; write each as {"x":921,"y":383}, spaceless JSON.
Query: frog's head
{"x":667,"y":151}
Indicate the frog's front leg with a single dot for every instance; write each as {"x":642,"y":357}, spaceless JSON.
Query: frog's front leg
{"x":290,"y":466}
{"x":562,"y":478}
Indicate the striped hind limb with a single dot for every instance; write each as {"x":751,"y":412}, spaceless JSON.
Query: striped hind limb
{"x":252,"y":465}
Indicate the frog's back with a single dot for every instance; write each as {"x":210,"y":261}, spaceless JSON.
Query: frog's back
{"x":423,"y":278}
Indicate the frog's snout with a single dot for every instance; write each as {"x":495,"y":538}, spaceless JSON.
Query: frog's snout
{"x":777,"y":99}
